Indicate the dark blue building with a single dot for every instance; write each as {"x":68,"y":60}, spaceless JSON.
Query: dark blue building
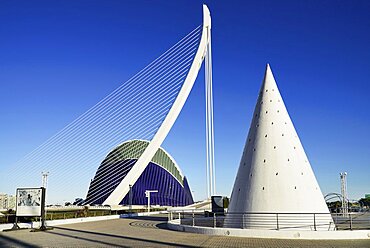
{"x":162,"y":174}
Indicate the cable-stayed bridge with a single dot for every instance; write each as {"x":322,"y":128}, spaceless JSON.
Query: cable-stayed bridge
{"x":144,"y":107}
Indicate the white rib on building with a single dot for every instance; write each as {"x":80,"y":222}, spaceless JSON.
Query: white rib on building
{"x":274,"y":174}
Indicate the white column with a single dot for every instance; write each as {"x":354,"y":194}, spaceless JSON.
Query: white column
{"x":210,"y":167}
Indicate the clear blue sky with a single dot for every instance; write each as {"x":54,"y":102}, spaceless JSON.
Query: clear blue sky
{"x":58,"y":58}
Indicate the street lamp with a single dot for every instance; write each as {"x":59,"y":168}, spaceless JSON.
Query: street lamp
{"x":147,"y":195}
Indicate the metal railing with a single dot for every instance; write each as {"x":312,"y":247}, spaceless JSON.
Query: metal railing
{"x":58,"y":215}
{"x":273,"y":221}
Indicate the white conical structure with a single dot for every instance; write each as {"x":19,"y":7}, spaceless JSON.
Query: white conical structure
{"x":274,"y":174}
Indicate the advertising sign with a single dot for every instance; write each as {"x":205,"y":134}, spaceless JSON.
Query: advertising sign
{"x":29,"y":201}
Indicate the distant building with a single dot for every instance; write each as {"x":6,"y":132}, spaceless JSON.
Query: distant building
{"x":162,"y":173}
{"x":78,"y":201}
{"x":11,"y":201}
{"x":3,"y":201}
{"x":7,"y":201}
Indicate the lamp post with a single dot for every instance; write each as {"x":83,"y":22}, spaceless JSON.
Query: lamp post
{"x":45,"y":178}
{"x":147,"y":195}
{"x":343,"y":186}
{"x":130,"y":200}
{"x":45,"y":175}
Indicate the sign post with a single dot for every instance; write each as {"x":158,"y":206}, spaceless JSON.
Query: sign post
{"x":30,"y":202}
{"x":43,"y":217}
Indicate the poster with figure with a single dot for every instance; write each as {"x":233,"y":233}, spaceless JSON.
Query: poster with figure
{"x":29,"y":201}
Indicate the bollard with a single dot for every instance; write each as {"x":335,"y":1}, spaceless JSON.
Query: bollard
{"x":193,"y":219}
{"x":314,"y":222}
{"x":243,"y":221}
{"x":214,"y":220}
{"x":277,"y":221}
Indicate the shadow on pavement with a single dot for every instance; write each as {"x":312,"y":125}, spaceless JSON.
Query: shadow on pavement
{"x":12,"y":242}
{"x":151,"y":218}
{"x":87,"y":239}
{"x":75,"y":235}
{"x":162,"y":219}
{"x":163,"y":226}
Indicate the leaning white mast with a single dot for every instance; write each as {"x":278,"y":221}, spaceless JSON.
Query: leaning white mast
{"x":211,"y":175}
{"x":204,"y":51}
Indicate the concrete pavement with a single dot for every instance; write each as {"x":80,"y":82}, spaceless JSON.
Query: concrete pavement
{"x":146,"y":232}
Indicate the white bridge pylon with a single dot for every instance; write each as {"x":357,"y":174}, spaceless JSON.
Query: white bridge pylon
{"x":203,"y":53}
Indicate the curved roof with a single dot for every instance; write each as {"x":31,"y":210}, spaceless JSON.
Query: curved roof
{"x":133,"y":149}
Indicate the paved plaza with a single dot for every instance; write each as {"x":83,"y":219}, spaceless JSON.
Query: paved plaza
{"x":146,"y":232}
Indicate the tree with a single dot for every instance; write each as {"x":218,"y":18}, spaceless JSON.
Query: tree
{"x":365,"y":202}
{"x":334,"y":206}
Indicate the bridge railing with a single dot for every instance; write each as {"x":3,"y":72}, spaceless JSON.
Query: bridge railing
{"x":273,"y":221}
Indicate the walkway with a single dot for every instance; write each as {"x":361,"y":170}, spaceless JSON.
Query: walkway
{"x":145,"y":232}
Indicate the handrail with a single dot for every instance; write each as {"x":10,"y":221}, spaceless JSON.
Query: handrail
{"x":273,"y":220}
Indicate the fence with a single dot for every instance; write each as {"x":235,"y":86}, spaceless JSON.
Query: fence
{"x":274,"y":221}
{"x":57,"y":215}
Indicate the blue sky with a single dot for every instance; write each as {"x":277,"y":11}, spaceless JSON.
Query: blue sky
{"x":58,"y":58}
